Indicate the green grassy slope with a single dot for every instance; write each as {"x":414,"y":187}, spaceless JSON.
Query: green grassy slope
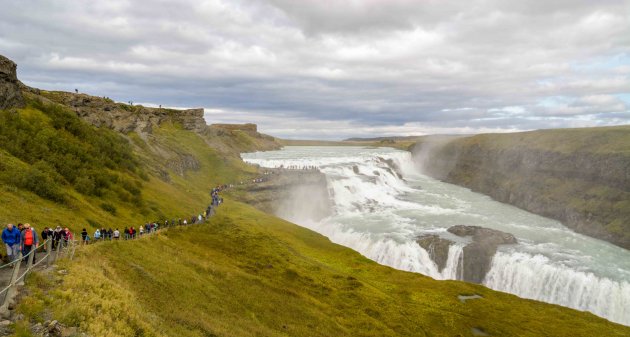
{"x":36,"y":188}
{"x":577,"y":176}
{"x":247,"y":273}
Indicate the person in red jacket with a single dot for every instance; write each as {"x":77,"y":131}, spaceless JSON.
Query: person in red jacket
{"x":29,"y":240}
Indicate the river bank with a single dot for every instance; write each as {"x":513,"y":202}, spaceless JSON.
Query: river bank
{"x":580,"y":177}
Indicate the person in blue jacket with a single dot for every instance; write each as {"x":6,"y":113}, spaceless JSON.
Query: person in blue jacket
{"x":12,"y":239}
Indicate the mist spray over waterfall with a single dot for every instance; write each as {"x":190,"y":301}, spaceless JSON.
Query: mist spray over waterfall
{"x":378,"y":204}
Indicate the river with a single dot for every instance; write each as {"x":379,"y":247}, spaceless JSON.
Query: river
{"x":379,"y":211}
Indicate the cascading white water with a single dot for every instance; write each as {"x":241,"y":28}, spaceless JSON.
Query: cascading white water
{"x":380,"y":215}
{"x":539,"y":278}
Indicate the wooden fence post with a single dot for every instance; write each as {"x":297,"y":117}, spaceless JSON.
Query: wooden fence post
{"x":49,"y":250}
{"x":59,"y":247}
{"x":29,"y":266}
{"x":14,"y":276}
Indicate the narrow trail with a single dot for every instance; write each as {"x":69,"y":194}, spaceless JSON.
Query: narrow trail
{"x":44,"y":258}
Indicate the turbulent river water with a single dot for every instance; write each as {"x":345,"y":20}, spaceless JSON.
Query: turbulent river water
{"x":379,"y":212}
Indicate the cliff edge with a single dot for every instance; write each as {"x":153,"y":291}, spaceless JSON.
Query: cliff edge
{"x":121,"y":117}
{"x":580,"y":177}
{"x":10,"y":93}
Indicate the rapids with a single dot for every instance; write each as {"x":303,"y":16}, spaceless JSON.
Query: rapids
{"x":382,"y":204}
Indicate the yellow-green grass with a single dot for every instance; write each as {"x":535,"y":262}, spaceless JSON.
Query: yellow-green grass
{"x":246,"y":273}
{"x":179,"y":197}
{"x":601,"y":140}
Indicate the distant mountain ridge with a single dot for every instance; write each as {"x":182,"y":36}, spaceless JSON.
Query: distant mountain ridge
{"x":377,"y":139}
{"x":401,"y":138}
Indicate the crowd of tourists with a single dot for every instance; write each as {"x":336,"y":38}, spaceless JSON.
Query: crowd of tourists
{"x":23,"y":238}
{"x":298,"y":167}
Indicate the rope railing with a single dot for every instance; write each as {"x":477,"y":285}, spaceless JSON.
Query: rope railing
{"x":17,"y":278}
{"x":64,"y":248}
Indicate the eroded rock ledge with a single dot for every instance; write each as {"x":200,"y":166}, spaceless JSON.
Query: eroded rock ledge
{"x":477,"y":255}
{"x":437,"y":248}
{"x":10,"y":93}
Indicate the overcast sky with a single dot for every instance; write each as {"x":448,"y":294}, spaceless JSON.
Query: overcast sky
{"x":335,"y":69}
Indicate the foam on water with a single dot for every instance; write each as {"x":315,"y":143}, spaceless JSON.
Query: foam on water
{"x":380,"y":214}
{"x":537,"y":277}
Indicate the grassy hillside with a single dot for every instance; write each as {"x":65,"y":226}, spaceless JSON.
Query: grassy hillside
{"x":247,"y":273}
{"x":55,"y":169}
{"x":577,"y":176}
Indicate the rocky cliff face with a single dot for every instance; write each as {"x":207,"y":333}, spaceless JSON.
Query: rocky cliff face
{"x":104,"y":112}
{"x":477,"y":255}
{"x":293,"y":195}
{"x":160,"y":155}
{"x":437,"y":248}
{"x":10,"y":93}
{"x":249,"y":127}
{"x":99,"y":111}
{"x":580,"y":177}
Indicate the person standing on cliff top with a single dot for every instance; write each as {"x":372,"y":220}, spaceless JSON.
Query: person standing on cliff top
{"x":11,"y":237}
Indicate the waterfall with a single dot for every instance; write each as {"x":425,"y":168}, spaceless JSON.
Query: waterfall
{"x":381,"y":205}
{"x":538,"y":278}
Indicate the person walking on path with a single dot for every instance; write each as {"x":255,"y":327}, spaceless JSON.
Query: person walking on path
{"x":46,"y":234}
{"x":116,"y":234}
{"x":57,"y":235}
{"x":65,"y":234}
{"x":11,"y":237}
{"x":84,"y":236}
{"x":29,"y":240}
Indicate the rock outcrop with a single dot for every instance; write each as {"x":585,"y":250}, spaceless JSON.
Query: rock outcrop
{"x":10,"y":91}
{"x":248,"y":127}
{"x":125,"y":118}
{"x":580,"y":177}
{"x":294,"y":195}
{"x":392,"y":167}
{"x":437,"y":248}
{"x":477,"y":255}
